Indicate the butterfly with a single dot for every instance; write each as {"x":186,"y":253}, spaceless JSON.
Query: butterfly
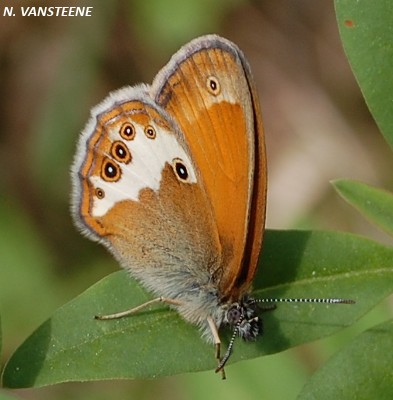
{"x":171,"y":178}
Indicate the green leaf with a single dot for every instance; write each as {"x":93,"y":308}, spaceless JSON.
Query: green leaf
{"x":362,"y":370}
{"x":375,"y":204}
{"x":366,"y":31}
{"x":72,"y":346}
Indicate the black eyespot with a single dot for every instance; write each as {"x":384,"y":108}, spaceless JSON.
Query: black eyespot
{"x":127,"y":131}
{"x":150,"y":132}
{"x":120,"y":152}
{"x":110,"y":171}
{"x":180,"y":169}
{"x":213,"y":85}
{"x":100,"y":193}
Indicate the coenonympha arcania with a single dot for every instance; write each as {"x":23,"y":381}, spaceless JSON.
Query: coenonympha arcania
{"x":171,"y":178}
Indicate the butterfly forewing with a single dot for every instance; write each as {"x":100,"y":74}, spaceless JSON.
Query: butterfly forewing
{"x":206,"y":89}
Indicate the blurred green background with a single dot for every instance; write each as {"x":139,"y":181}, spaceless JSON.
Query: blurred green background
{"x":53,"y":70}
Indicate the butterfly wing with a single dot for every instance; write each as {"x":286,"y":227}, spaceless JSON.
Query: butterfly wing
{"x":208,"y":90}
{"x":137,"y":190}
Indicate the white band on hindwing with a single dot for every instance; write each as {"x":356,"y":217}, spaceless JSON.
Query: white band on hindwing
{"x":149,"y":157}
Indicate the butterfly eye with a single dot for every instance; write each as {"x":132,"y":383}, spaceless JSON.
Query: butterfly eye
{"x":120,"y":152}
{"x":100,"y":193}
{"x":127,"y":131}
{"x":213,"y":85}
{"x":150,"y":132}
{"x":110,"y":171}
{"x":180,"y":170}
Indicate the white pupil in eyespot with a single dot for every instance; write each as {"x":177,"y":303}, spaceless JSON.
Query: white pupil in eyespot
{"x":181,"y":170}
{"x":110,"y":170}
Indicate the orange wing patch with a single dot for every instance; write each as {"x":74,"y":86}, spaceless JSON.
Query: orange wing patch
{"x":208,"y":95}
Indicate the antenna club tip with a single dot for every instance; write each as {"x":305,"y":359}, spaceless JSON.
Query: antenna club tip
{"x":345,"y":301}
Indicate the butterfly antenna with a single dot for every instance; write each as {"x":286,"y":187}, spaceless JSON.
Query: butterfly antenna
{"x":299,"y":300}
{"x":228,"y":353}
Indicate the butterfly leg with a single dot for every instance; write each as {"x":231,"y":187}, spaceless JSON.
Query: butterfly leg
{"x":217,"y":343}
{"x":134,"y":310}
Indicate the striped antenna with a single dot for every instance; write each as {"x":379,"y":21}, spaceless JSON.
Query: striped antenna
{"x":229,"y":349}
{"x":326,"y":301}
